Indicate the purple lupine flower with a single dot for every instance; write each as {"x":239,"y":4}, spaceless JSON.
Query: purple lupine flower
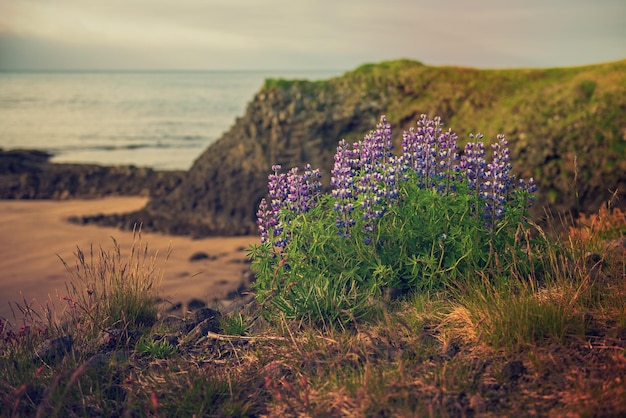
{"x":311,"y":179}
{"x":297,"y":193}
{"x":342,"y":181}
{"x":447,"y":156}
{"x":428,"y":131}
{"x":277,"y":194}
{"x":473,"y":162}
{"x":302,"y":190}
{"x":530,"y":188}
{"x":264,"y":220}
{"x":367,"y":169}
{"x":430,"y":153}
{"x":472,"y":167}
{"x":419,"y":149}
{"x":498,"y":182}
{"x":367,"y":172}
{"x":377,"y":182}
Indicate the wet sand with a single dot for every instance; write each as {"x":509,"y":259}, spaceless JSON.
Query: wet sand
{"x":34,"y":234}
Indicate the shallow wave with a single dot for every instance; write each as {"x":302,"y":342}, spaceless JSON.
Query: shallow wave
{"x":169,"y":143}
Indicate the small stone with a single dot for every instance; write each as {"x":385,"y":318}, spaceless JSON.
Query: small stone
{"x":175,"y":307}
{"x":513,"y":370}
{"x":202,"y":329}
{"x":200,"y":255}
{"x":169,"y":339}
{"x":451,"y":349}
{"x":174,"y":323}
{"x":195,"y":304}
{"x":114,"y":338}
{"x":206,"y":313}
{"x":51,"y":351}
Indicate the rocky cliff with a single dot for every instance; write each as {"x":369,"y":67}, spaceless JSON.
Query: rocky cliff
{"x":566,"y":127}
{"x":28,"y":174}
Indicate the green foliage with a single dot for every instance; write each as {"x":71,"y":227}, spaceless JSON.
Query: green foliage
{"x":235,"y":324}
{"x":160,"y":349}
{"x":318,"y":278}
{"x":426,"y":241}
{"x":286,"y":84}
{"x":587,"y":88}
{"x":386,"y":66}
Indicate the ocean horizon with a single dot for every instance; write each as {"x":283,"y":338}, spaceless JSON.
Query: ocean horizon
{"x":148,"y":118}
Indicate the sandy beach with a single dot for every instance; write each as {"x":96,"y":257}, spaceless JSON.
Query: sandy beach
{"x":34,"y":234}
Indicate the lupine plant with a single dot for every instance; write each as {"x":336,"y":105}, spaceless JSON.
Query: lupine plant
{"x":407,"y":222}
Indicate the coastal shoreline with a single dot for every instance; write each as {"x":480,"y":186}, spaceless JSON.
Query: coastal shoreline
{"x":36,"y":235}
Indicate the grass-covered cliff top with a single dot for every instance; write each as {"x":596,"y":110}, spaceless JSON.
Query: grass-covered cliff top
{"x":470,"y":99}
{"x":564,"y":125}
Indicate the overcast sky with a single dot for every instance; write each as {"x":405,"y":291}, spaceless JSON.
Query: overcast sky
{"x":307,"y":34}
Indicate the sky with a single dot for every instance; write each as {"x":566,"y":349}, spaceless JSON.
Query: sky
{"x":307,"y":34}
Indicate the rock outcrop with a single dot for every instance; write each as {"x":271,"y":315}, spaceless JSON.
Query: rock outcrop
{"x":28,"y":174}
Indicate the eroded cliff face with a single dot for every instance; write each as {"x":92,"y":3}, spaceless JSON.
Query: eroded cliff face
{"x":283,"y":125}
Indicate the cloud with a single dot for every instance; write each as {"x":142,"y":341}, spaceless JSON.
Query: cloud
{"x":322,"y":33}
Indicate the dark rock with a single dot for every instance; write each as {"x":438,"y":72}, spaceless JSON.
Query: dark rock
{"x":174,"y":323}
{"x":195,"y":304}
{"x":52,"y":351}
{"x":116,"y":338}
{"x":169,"y":339}
{"x":512,"y":371}
{"x":201,"y":256}
{"x":208,"y":325}
{"x":28,"y":174}
{"x":201,"y":330}
{"x":206,"y":313}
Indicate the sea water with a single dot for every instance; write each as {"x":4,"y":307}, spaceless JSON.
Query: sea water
{"x":157,"y":119}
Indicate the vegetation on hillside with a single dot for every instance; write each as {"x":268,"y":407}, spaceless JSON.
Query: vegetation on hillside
{"x":561,"y":123}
